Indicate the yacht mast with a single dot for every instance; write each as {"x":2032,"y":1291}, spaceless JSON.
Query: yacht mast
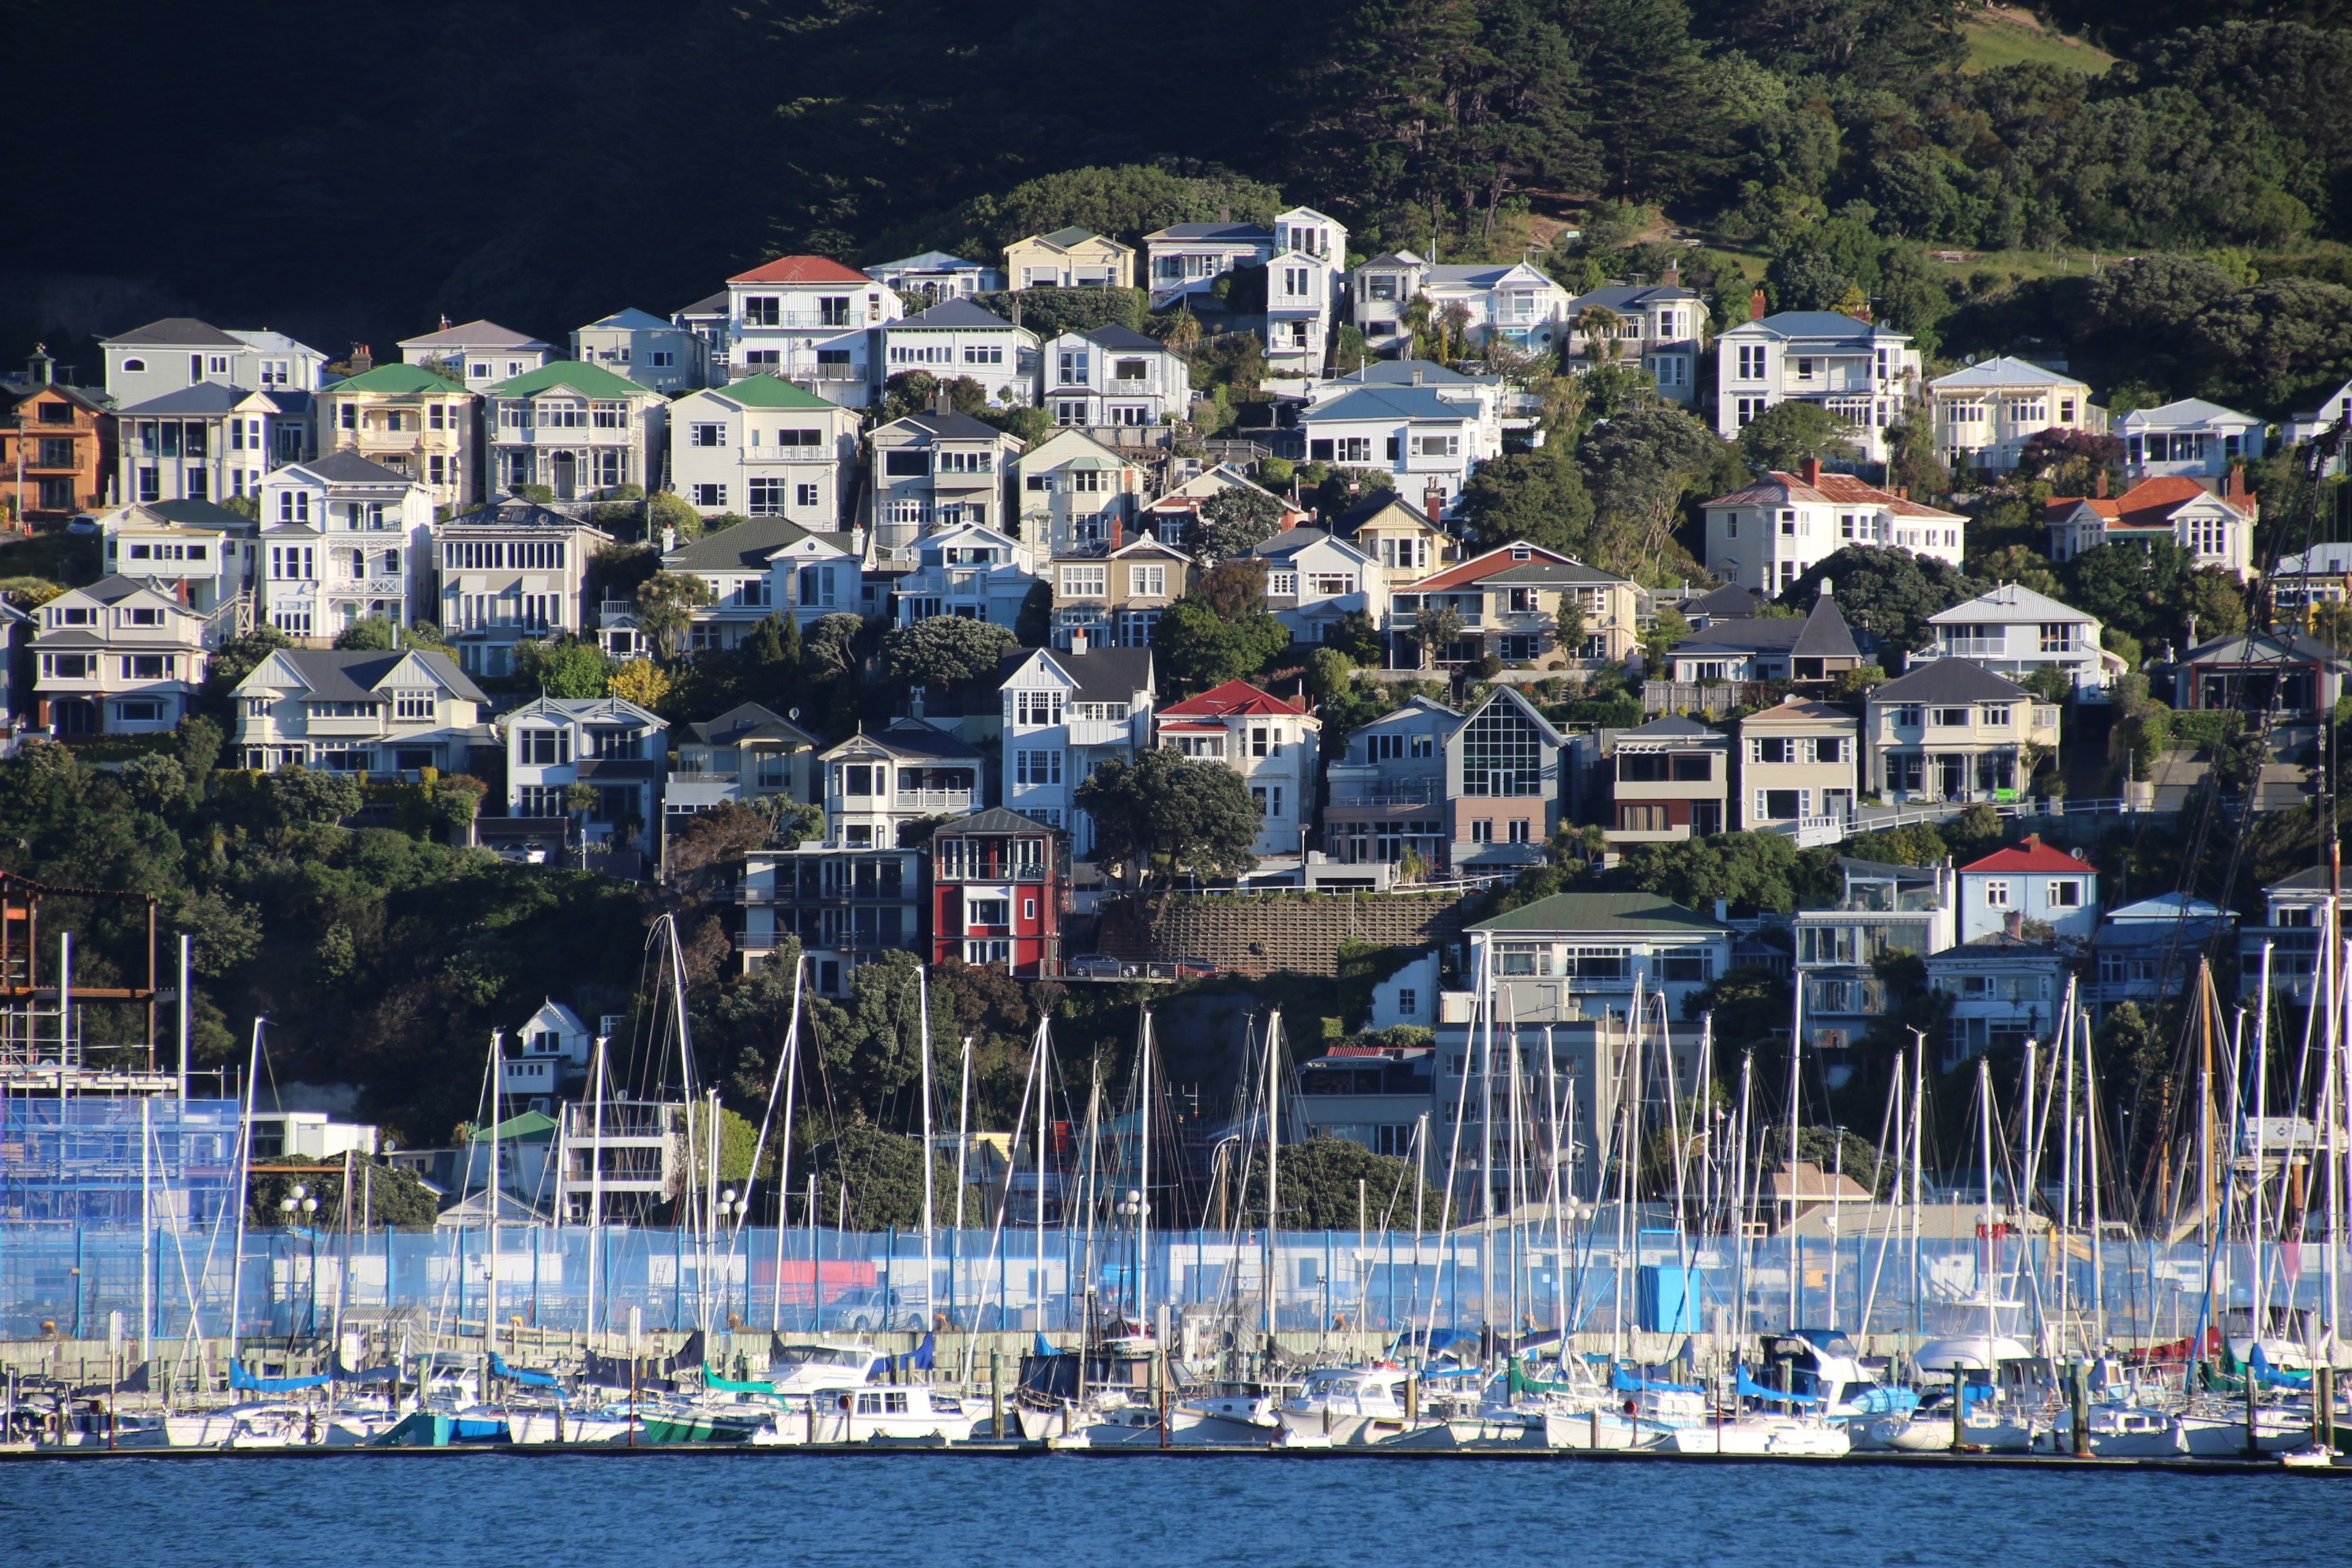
{"x":923,"y":1008}
{"x":1143,"y":1104}
{"x":596,"y":1179}
{"x":1796,"y":1095}
{"x":1273,"y":1152}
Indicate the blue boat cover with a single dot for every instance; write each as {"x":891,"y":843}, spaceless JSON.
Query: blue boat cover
{"x":1751,"y":1389}
{"x":1624,"y":1382}
{"x":240,"y":1378}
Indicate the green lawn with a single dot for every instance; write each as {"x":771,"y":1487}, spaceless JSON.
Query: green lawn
{"x":1995,"y":41}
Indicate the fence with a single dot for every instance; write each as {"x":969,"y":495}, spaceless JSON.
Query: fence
{"x":69,"y":1283}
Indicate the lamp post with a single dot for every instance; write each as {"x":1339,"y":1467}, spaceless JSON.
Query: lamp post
{"x":1132,"y":1209}
{"x":731,"y":1208}
{"x":299,"y":1201}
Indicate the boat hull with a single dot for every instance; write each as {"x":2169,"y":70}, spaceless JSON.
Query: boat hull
{"x":1772,"y":1439}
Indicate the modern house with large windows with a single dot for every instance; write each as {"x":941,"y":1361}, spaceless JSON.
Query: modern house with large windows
{"x":1505,"y":783}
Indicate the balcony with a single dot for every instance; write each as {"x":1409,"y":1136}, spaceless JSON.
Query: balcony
{"x":321,"y":727}
{"x":1099,"y":731}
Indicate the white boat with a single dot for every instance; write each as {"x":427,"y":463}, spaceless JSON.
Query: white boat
{"x":558,"y":1424}
{"x":818,"y":1365}
{"x":2117,"y":1432}
{"x":1349,"y":1404}
{"x":2311,"y":1458}
{"x":1236,"y":1423}
{"x":1765,"y":1435}
{"x":2216,"y":1436}
{"x":863,"y":1414}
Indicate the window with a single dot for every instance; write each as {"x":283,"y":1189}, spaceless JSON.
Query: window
{"x":1776,"y":749}
{"x":147,"y":666}
{"x":1269,"y":798}
{"x":858,"y":778}
{"x":1948,"y":718}
{"x":293,"y":506}
{"x":1147,"y":582}
{"x":1437,"y":445}
{"x":762,"y":310}
{"x":2064,"y":893}
{"x":1996,"y":715}
{"x":1502,"y":753}
{"x":1084,"y":581}
{"x":1751,"y":363}
{"x":710,"y":495}
{"x":2058,"y":637}
{"x":767,"y":498}
{"x":710,"y":435}
{"x":149,"y":617}
{"x":412,"y":705}
{"x":541,"y":748}
{"x":1037,"y":767}
{"x":291,"y":562}
{"x":983,"y":353}
{"x":905,"y":464}
{"x":804,"y":495}
{"x":660,"y":359}
{"x":1996,"y":892}
{"x":134,"y":366}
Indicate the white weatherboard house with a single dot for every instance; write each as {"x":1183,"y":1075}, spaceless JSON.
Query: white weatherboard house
{"x":1766,"y":537}
{"x":477,"y":354}
{"x":767,"y":566}
{"x":1065,"y":714}
{"x":1510,"y":302}
{"x":935,"y":275}
{"x":956,"y":339}
{"x":803,"y":318}
{"x":578,"y":429}
{"x":1865,"y":374}
{"x":2191,"y":438}
{"x":200,"y":553}
{"x":1428,"y":442}
{"x":2013,"y":631}
{"x":359,"y":712}
{"x":1658,"y":327}
{"x":761,"y":447}
{"x":343,"y":539}
{"x":118,"y":658}
{"x":1114,"y":381}
{"x":966,"y":569}
{"x":639,"y":345}
{"x":1985,"y":414}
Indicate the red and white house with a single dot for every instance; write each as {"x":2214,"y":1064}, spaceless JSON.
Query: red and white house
{"x":1268,"y":739}
{"x":2033,"y":881}
{"x":1509,"y":600}
{"x":998,"y":888}
{"x":805,"y":319}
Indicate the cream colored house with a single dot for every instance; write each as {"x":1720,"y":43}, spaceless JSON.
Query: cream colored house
{"x":412,"y":421}
{"x":1952,"y":730}
{"x":1985,"y":414}
{"x":576,"y":429}
{"x":761,"y":447}
{"x":1509,"y":600}
{"x":1071,"y":492}
{"x":1799,"y":763}
{"x":365,"y":712}
{"x":1266,"y":740}
{"x":119,"y":656}
{"x":1402,"y":539}
{"x":1069,"y":258}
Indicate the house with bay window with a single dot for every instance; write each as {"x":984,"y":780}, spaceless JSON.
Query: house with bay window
{"x":998,"y":890}
{"x":1072,"y":493}
{"x":1952,"y":730}
{"x":876,"y":785}
{"x":1510,"y":302}
{"x":1114,"y":383}
{"x":958,"y":339}
{"x":576,"y":429}
{"x":1069,"y":258}
{"x":411,"y":420}
{"x":966,"y":569}
{"x":123,"y":655}
{"x":372,"y":714}
{"x":1864,"y":373}
{"x":1658,"y":326}
{"x":936,"y":469}
{"x":1985,"y":413}
{"x":804,"y":318}
{"x":1427,"y":442}
{"x":2013,"y":631}
{"x":767,"y":566}
{"x":2189,"y":439}
{"x":204,"y":555}
{"x":345,"y":540}
{"x":512,"y":570}
{"x":1065,"y":714}
{"x":608,"y":743}
{"x":761,"y":447}
{"x":2215,"y":526}
{"x":1403,"y":540}
{"x":1270,"y":741}
{"x":1106,"y":597}
{"x":1312,"y":579}
{"x":1505,"y":783}
{"x":212,"y":441}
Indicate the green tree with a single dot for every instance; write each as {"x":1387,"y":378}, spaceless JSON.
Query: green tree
{"x":667,"y":509}
{"x":1569,"y":626}
{"x":883,"y":1175}
{"x":1536,"y":496}
{"x":2139,"y":589}
{"x":299,"y":794}
{"x":1162,"y":815}
{"x":1436,"y":628}
{"x":1196,"y":647}
{"x":1785,"y":435}
{"x":370,"y":633}
{"x":939,"y":650}
{"x":1756,"y":872}
{"x":1034,"y":626}
{"x":1235,"y":522}
{"x":238,"y":657}
{"x":1334,"y":1184}
{"x":381,"y":1194}
{"x":1050,"y":313}
{"x":1890,"y":591}
{"x":1642,"y":468}
{"x":666,"y":604}
{"x":563,"y":666}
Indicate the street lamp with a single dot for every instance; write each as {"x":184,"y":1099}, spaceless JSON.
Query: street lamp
{"x":299,"y":1201}
{"x":1132,"y":1208}
{"x":730,"y":1210}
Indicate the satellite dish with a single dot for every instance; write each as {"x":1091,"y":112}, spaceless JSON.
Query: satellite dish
{"x":795,"y":715}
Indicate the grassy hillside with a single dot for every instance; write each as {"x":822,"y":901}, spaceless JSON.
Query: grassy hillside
{"x":2010,"y":35}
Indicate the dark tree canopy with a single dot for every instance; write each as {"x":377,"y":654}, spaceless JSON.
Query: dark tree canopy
{"x":1165,"y":815}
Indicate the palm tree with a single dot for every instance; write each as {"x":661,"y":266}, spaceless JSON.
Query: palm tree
{"x":1599,"y":325}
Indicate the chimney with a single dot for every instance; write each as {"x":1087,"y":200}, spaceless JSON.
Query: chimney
{"x":1118,"y":532}
{"x":1672,"y":277}
{"x":1756,"y":306}
{"x":2099,"y":485}
{"x":1826,"y":588}
{"x":1433,"y":501}
{"x":1903,"y":492}
{"x":1723,"y":909}
{"x":1813,"y":472}
{"x":669,"y":537}
{"x":1078,"y":641}
{"x":363,"y":361}
{"x":2235,"y":486}
{"x":2014,"y":922}
{"x":1417,"y":375}
{"x":41,"y":370}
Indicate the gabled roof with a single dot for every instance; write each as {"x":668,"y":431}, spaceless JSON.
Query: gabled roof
{"x":92,"y":398}
{"x":2243,"y":647}
{"x":802,"y":270}
{"x":1098,"y":675}
{"x":513,"y":513}
{"x":1631,"y":912}
{"x":114,"y":589}
{"x":1624,"y":297}
{"x":586,"y":710}
{"x":947,"y":425}
{"x":1124,"y":339}
{"x":473,"y":335}
{"x":1414,"y":706}
{"x":2008,"y":602}
{"x":2165,"y":908}
{"x":345,"y":467}
{"x":2033,"y":854}
{"x":2320,"y":560}
{"x":1390,"y":403}
{"x":1211,"y":482}
{"x":745,"y":547}
{"x":1798,"y":711}
{"x":710,"y":305}
{"x":1817,"y":324}
{"x":2187,"y":413}
{"x":748,"y":722}
{"x":347,"y":675}
{"x":177,"y":331}
{"x":954,"y":314}
{"x":1478,"y":568}
{"x":1672,"y":727}
{"x":1410,"y":373}
{"x":1949,"y":681}
{"x":1064,"y":238}
{"x":767,"y":391}
{"x":928,"y":262}
{"x":1729,"y":603}
{"x":1290,"y":541}
{"x":397,"y":380}
{"x":1375,"y":506}
{"x":629,"y":319}
{"x":1776,"y":488}
{"x":1514,"y":697}
{"x":203,"y":397}
{"x":571,"y":374}
{"x":1544,"y":572}
{"x":1234,"y":699}
{"x":908,"y":738}
{"x":2004,"y":371}
{"x":995,"y":819}
{"x":201,"y":514}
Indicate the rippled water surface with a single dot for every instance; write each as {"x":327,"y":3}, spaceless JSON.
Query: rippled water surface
{"x":730,"y":1510}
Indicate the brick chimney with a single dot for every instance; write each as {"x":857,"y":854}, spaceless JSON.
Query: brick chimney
{"x":362,"y":361}
{"x":1672,"y":277}
{"x":1433,"y":501}
{"x":2233,"y":485}
{"x":1756,"y":306}
{"x":1118,"y":532}
{"x":2014,"y":922}
{"x":1812,"y":472}
{"x":2099,"y":485}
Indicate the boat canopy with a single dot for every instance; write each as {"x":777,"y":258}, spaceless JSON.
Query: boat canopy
{"x":1751,"y":1389}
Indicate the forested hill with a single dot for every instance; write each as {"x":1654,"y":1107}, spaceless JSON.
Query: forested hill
{"x":354,"y":170}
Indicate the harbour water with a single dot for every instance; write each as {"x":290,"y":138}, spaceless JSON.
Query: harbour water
{"x":748,"y":1510}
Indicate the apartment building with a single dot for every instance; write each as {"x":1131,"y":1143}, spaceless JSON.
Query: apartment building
{"x":119,"y":656}
{"x":413,"y":421}
{"x":1864,"y":373}
{"x":1667,"y":779}
{"x":366,"y":713}
{"x":1386,"y":792}
{"x":999,"y":891}
{"x":846,"y":908}
{"x":478,"y":354}
{"x":343,"y":539}
{"x":761,"y":447}
{"x":1800,"y":769}
{"x":1952,"y":730}
{"x":511,"y":571}
{"x":1271,"y":743}
{"x":1064,"y":715}
{"x":804,"y":318}
{"x":576,"y":429}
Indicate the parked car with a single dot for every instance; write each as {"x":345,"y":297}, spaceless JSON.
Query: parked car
{"x":867,"y":1308}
